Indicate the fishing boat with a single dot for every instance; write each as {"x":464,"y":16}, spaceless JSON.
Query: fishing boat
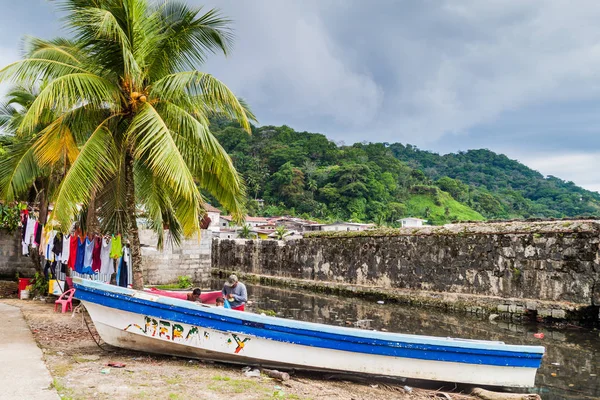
{"x":143,"y":321}
{"x":205,"y":297}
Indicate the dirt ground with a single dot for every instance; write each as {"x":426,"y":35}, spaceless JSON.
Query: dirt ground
{"x":80,"y":371}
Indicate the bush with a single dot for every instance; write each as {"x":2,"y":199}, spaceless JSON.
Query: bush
{"x":184,"y":281}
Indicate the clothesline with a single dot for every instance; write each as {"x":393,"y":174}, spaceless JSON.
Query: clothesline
{"x":89,"y":256}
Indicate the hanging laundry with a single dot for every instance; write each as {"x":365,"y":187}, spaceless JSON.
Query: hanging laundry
{"x":107,"y":264}
{"x":122,"y":278}
{"x":49,"y":240}
{"x":29,"y":231}
{"x":66,"y":249}
{"x":116,"y":250}
{"x":127,"y":258}
{"x":43,"y":242}
{"x":57,"y":245}
{"x":24,"y":218}
{"x":87,"y":259}
{"x":72,"y":259}
{"x":37,"y":239}
{"x":96,"y":262}
{"x":80,"y":254}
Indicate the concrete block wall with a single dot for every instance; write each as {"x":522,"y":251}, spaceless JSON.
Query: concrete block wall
{"x":192,"y":258}
{"x":11,"y":259}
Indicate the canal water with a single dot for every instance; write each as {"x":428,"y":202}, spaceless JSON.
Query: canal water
{"x":570,"y":368}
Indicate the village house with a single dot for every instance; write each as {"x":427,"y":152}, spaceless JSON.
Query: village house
{"x":226,"y":221}
{"x":411,"y":222}
{"x":214,"y":214}
{"x":346,"y":226}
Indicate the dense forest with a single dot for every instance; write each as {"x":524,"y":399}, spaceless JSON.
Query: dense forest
{"x":305,"y":174}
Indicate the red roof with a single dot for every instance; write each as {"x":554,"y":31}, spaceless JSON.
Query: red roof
{"x":248,"y":219}
{"x":209,"y":208}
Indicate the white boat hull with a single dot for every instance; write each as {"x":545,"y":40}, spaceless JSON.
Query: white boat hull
{"x":134,"y":331}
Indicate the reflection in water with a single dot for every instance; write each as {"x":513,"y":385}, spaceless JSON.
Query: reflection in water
{"x":570,"y":369}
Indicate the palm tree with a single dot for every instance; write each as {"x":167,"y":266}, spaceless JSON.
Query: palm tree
{"x":130,"y":72}
{"x":281,"y":232}
{"x":245,"y":232}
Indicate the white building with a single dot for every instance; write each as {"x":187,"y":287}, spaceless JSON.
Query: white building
{"x":226,"y":221}
{"x":215,"y":215}
{"x":346,"y":226}
{"x":411,"y":222}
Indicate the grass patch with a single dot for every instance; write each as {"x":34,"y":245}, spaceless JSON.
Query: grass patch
{"x":441,"y":208}
{"x":64,"y":392}
{"x":174,"y":396}
{"x":174,"y":380}
{"x":226,"y":385}
{"x":61,"y":370}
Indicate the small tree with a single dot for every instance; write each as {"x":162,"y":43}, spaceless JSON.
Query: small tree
{"x":245,"y":232}
{"x":281,"y":232}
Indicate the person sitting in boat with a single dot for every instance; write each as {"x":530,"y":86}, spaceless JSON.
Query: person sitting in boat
{"x":235,"y":292}
{"x":195,"y":295}
{"x":219,"y":302}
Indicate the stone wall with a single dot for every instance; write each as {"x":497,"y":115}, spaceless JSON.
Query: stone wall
{"x":548,"y":261}
{"x":11,"y":260}
{"x":192,"y":258}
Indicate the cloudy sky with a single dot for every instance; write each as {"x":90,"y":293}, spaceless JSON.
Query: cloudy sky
{"x":517,"y":77}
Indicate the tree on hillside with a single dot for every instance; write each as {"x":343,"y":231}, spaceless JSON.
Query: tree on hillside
{"x":130,"y":71}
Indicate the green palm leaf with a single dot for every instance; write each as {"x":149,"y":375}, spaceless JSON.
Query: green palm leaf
{"x":96,"y":164}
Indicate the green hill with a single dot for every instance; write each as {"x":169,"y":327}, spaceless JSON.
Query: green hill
{"x":307,"y":175}
{"x":499,"y":187}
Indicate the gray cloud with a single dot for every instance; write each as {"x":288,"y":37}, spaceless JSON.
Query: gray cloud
{"x":520,"y":77}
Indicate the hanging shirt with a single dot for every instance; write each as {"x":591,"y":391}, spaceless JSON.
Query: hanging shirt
{"x":38,"y":234}
{"x":24,"y":218}
{"x":49,"y":255}
{"x":127,"y":260}
{"x":66,"y":249}
{"x":29,"y":230}
{"x":96,"y":262}
{"x":43,"y":242}
{"x":87,"y":256}
{"x":122,"y":277}
{"x":73,"y":251}
{"x":116,"y":250}
{"x":57,"y":244}
{"x":107,"y":265}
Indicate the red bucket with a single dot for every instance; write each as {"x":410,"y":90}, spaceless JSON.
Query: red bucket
{"x":23,"y":283}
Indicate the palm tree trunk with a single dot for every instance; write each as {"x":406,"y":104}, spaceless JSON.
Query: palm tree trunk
{"x":133,"y":234}
{"x":36,"y":259}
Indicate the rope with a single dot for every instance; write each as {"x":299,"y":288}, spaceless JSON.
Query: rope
{"x":97,"y":341}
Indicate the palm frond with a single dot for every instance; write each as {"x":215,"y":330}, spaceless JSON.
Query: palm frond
{"x":34,"y":69}
{"x":207,"y":159}
{"x":96,"y":164}
{"x":18,"y":170}
{"x":55,"y":143}
{"x":70,"y":91}
{"x":215,"y":95}
{"x":93,"y":24}
{"x":59,"y":49}
{"x":156,"y":147}
{"x":187,"y":37}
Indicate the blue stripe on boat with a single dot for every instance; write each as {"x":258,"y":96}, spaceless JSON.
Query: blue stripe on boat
{"x":311,"y":334}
